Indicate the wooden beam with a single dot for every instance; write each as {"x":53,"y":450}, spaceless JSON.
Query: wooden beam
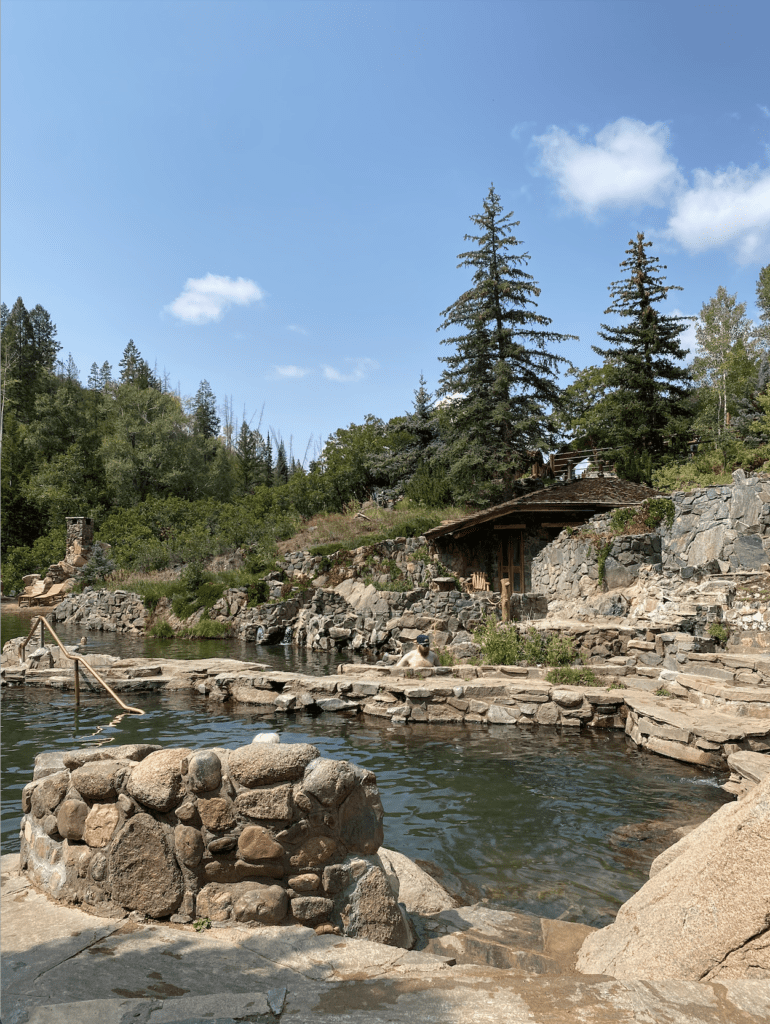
{"x":511,"y":526}
{"x":572,"y":523}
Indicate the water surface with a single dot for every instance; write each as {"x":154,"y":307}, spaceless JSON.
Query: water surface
{"x":522,"y":818}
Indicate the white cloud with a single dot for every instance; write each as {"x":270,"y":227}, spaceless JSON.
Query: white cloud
{"x":296,"y":328}
{"x":291,"y":371}
{"x":628,"y":165}
{"x":728,"y":209}
{"x":361,"y":367}
{"x":204,"y":299}
{"x":518,"y":129}
{"x":765,"y":110}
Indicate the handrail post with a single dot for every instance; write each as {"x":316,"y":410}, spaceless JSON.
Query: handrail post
{"x":77,"y":659}
{"x":42,"y":630}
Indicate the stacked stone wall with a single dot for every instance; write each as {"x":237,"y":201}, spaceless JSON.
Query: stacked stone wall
{"x":264,"y":834}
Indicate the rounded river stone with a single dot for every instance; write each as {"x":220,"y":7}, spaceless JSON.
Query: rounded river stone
{"x":188,"y":843}
{"x":48,"y":794}
{"x":156,"y":782}
{"x":71,"y":819}
{"x":144,"y":872}
{"x":267,"y":904}
{"x":255,"y":843}
{"x":263,"y":764}
{"x":204,"y":771}
{"x":95,"y":781}
{"x":329,"y":781}
{"x":216,"y":813}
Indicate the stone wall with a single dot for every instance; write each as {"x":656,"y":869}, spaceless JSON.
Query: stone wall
{"x":263,"y":834}
{"x":113,"y":611}
{"x":568,"y":567}
{"x":723,"y":528}
{"x":360,"y":617}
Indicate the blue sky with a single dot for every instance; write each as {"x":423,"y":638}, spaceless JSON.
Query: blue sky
{"x":272,"y":196}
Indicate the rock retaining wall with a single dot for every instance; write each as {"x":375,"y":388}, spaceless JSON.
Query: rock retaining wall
{"x":263,"y":834}
{"x":113,"y":611}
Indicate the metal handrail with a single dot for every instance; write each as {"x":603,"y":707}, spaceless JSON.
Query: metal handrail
{"x":42,"y":621}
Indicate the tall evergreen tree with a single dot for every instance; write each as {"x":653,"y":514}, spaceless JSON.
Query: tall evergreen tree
{"x":205,"y":419}
{"x":136,"y":370}
{"x":281,"y":471}
{"x":29,"y":350}
{"x":500,"y":382}
{"x":267,"y":461}
{"x":247,"y":456}
{"x":644,"y":362}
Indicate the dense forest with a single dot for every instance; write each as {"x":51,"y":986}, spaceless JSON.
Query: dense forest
{"x":171,"y":479}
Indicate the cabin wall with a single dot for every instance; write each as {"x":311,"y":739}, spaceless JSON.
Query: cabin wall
{"x":478,"y":552}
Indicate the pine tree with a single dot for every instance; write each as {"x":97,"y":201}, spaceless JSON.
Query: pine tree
{"x":135,"y":370}
{"x":29,"y":350}
{"x":281,"y":471}
{"x":205,"y":419}
{"x":267,"y":462}
{"x":501,"y":381}
{"x":643,"y":362}
{"x":247,"y":455}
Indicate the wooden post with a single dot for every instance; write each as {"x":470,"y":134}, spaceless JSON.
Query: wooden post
{"x":77,"y":683}
{"x":505,"y":598}
{"x":42,"y":632}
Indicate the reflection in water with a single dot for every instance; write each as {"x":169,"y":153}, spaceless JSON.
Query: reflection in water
{"x":528,"y":819}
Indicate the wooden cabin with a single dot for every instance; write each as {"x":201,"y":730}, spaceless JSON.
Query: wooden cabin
{"x":501,"y":542}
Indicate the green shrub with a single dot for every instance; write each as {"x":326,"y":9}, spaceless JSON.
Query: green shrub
{"x":446,"y":658}
{"x":208,"y":594}
{"x":161,"y":630}
{"x":560,"y":650}
{"x":194,"y":575}
{"x":37,"y":557}
{"x":257,"y":593}
{"x":500,"y":642}
{"x":720,"y":632}
{"x":572,"y":677}
{"x":620,"y":518}
{"x":206,"y":629}
{"x":151,"y":591}
{"x":663,"y":692}
{"x":183,"y":607}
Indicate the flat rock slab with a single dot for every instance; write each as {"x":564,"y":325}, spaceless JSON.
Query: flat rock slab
{"x":62,"y":965}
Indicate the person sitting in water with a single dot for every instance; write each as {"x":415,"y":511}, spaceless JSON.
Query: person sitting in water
{"x":421,"y":657}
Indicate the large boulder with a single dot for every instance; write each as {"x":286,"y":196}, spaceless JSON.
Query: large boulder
{"x":704,"y":915}
{"x":156,"y":781}
{"x":143,"y":869}
{"x":264,"y":764}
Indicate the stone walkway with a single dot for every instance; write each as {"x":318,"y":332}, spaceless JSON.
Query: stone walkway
{"x":62,"y":966}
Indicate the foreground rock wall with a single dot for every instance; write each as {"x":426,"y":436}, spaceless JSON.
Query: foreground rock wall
{"x":262,"y":834}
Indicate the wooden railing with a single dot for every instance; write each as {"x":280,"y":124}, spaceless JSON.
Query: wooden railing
{"x":42,"y":622}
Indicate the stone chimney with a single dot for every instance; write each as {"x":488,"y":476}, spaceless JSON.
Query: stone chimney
{"x":80,"y":540}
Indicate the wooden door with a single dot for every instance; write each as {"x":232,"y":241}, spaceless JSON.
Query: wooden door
{"x":511,"y":560}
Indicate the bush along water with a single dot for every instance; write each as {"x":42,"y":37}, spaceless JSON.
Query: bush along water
{"x":504,"y":644}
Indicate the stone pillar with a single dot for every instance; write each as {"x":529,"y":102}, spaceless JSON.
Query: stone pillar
{"x":80,"y":540}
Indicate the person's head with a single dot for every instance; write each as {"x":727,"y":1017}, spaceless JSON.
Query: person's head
{"x":423,"y":644}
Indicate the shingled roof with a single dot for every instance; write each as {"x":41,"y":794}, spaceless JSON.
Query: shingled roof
{"x":589,"y":494}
